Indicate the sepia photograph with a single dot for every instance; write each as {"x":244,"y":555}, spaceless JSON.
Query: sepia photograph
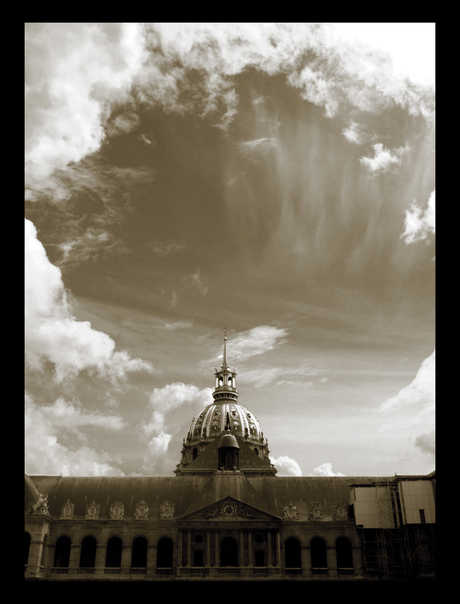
{"x":229,"y":302}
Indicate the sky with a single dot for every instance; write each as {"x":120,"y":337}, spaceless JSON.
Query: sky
{"x":277,"y":180}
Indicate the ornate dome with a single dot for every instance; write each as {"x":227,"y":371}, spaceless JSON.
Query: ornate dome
{"x":224,"y":414}
{"x":211,"y":422}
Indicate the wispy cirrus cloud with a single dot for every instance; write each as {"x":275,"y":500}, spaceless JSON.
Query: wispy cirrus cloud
{"x":165,"y":248}
{"x":197,"y":281}
{"x":303,"y":376}
{"x":255,"y":148}
{"x":178,"y":325}
{"x":255,"y":341}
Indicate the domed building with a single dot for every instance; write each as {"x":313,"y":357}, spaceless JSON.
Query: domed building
{"x":227,"y":515}
{"x":224,"y":413}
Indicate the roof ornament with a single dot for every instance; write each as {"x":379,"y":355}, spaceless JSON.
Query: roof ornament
{"x":225,"y":364}
{"x":228,"y":425}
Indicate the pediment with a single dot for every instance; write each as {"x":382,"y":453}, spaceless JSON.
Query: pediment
{"x":229,"y":509}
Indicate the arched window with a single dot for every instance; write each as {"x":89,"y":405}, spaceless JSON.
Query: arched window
{"x":26,"y":548}
{"x":344,"y":553}
{"x":113,"y":553}
{"x":139,"y":553}
{"x":62,"y":552}
{"x":165,"y":553}
{"x":88,"y":553}
{"x":228,"y":552}
{"x":292,"y":555}
{"x":318,"y":553}
{"x":195,"y":453}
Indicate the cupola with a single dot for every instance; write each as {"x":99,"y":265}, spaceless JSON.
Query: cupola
{"x":225,"y":390}
{"x":223,"y":412}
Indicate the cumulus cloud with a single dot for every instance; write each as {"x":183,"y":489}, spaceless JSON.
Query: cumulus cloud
{"x":426,"y":443}
{"x":420,"y":224}
{"x":420,"y":392}
{"x":383,"y":160}
{"x":161,"y":403}
{"x":193,"y":65}
{"x":53,"y":335}
{"x":356,"y":134}
{"x":286,"y":466}
{"x":46,"y":430}
{"x":77,"y":73}
{"x":325,"y":469}
{"x":73,"y":72}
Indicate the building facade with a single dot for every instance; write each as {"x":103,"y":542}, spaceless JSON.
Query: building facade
{"x":226,"y":515}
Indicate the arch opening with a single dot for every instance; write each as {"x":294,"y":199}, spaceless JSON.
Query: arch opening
{"x":228,"y":552}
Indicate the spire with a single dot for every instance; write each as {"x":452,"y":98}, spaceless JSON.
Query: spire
{"x":225,"y":389}
{"x":225,"y":364}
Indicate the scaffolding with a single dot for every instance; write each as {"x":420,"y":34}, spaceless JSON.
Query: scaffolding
{"x":383,"y":545}
{"x":394,"y":550}
{"x":420,"y":550}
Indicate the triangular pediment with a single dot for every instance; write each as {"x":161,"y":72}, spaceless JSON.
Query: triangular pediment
{"x":229,"y":509}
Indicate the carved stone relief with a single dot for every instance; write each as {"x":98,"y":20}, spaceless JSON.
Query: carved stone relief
{"x":340,"y":511}
{"x":316,"y":512}
{"x":290,"y":512}
{"x":230,"y":510}
{"x":92,"y":511}
{"x":117,"y":511}
{"x":142,"y":511}
{"x":166,"y":510}
{"x":67,"y":511}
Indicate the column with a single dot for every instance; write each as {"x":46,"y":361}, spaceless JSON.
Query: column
{"x":331,"y":558}
{"x":151,"y":560}
{"x":241,"y":559}
{"x":306,"y":560}
{"x":181,"y":547}
{"x":208,"y":547}
{"x":126,"y":554}
{"x":357,"y":553}
{"x":35,"y":558}
{"x":250,"y":547}
{"x":216,"y":562}
{"x":269,"y":547}
{"x":99,"y":563}
{"x":74,"y":560}
{"x":189,"y":545}
{"x":278,"y":549}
